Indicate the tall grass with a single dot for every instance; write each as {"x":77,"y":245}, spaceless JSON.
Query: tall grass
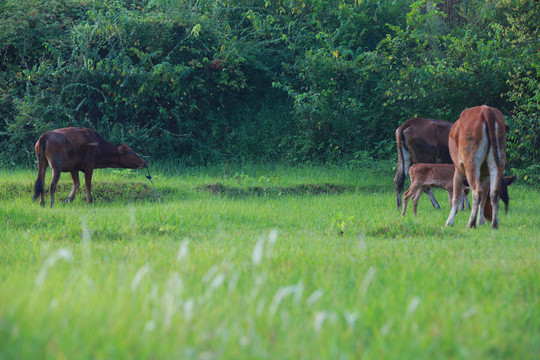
{"x":293,"y":271}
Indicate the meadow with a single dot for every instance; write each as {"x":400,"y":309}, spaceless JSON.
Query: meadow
{"x":261,"y":262}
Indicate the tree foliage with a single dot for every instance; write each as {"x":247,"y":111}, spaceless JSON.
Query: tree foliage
{"x":285,"y":80}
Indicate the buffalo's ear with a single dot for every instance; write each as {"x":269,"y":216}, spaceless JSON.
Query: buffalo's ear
{"x":122,"y":149}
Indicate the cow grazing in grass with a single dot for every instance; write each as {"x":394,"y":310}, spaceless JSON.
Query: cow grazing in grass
{"x":477,"y":144}
{"x":420,"y":141}
{"x":439,"y":176}
{"x":78,"y":149}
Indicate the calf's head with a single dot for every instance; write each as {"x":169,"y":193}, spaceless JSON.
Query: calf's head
{"x":129,"y":159}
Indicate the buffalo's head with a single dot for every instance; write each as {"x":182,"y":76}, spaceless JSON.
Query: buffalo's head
{"x":129,"y":159}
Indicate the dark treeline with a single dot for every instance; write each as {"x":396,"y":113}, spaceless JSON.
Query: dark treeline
{"x":283,"y":80}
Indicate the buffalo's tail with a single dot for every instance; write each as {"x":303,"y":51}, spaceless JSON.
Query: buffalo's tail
{"x":42,"y":167}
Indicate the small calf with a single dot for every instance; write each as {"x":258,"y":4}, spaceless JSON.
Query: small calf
{"x":425,"y":176}
{"x":442,"y":176}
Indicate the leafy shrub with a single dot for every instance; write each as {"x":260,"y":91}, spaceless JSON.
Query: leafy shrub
{"x":291,"y":80}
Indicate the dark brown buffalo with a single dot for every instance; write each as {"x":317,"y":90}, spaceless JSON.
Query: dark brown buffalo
{"x":477,"y":145}
{"x":420,"y":141}
{"x":78,"y":149}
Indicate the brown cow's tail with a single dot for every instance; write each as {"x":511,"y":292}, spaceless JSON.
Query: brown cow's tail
{"x":399,"y":180}
{"x":494,"y":141}
{"x":42,"y":167}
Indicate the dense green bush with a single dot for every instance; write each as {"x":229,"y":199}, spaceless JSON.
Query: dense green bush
{"x":288,"y":80}
{"x":522,"y":32}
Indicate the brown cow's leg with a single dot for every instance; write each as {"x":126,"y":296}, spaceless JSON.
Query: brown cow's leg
{"x":478,"y":193}
{"x":494,"y":199}
{"x":466,"y":204}
{"x":487,"y":211}
{"x":404,"y":163}
{"x":477,"y":196}
{"x":76,"y":184}
{"x":88,"y":184}
{"x":451,"y":199}
{"x":483,"y":200}
{"x":494,"y":188}
{"x":55,"y":177}
{"x":429,"y":193}
{"x":399,"y":182}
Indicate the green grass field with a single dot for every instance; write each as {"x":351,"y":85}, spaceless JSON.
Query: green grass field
{"x":262,"y":262}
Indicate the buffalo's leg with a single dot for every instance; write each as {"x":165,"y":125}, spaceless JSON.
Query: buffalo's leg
{"x":56,"y":172}
{"x":76,"y":184}
{"x":39,"y":185}
{"x":41,"y":177}
{"x":88,"y":184}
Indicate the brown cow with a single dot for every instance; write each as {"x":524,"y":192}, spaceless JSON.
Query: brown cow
{"x":477,"y":145}
{"x":78,"y":149}
{"x":420,"y":141}
{"x":439,"y":176}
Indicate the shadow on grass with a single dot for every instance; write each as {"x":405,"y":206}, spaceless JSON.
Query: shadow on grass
{"x":301,"y":189}
{"x":101,"y":191}
{"x":404,"y":230}
{"x":104,"y":191}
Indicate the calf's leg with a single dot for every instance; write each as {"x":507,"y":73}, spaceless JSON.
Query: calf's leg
{"x":458,"y":184}
{"x":411,"y":192}
{"x":415,"y":198}
{"x":406,"y":197}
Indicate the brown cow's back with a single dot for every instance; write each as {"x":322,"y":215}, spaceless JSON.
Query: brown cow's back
{"x":427,"y":140}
